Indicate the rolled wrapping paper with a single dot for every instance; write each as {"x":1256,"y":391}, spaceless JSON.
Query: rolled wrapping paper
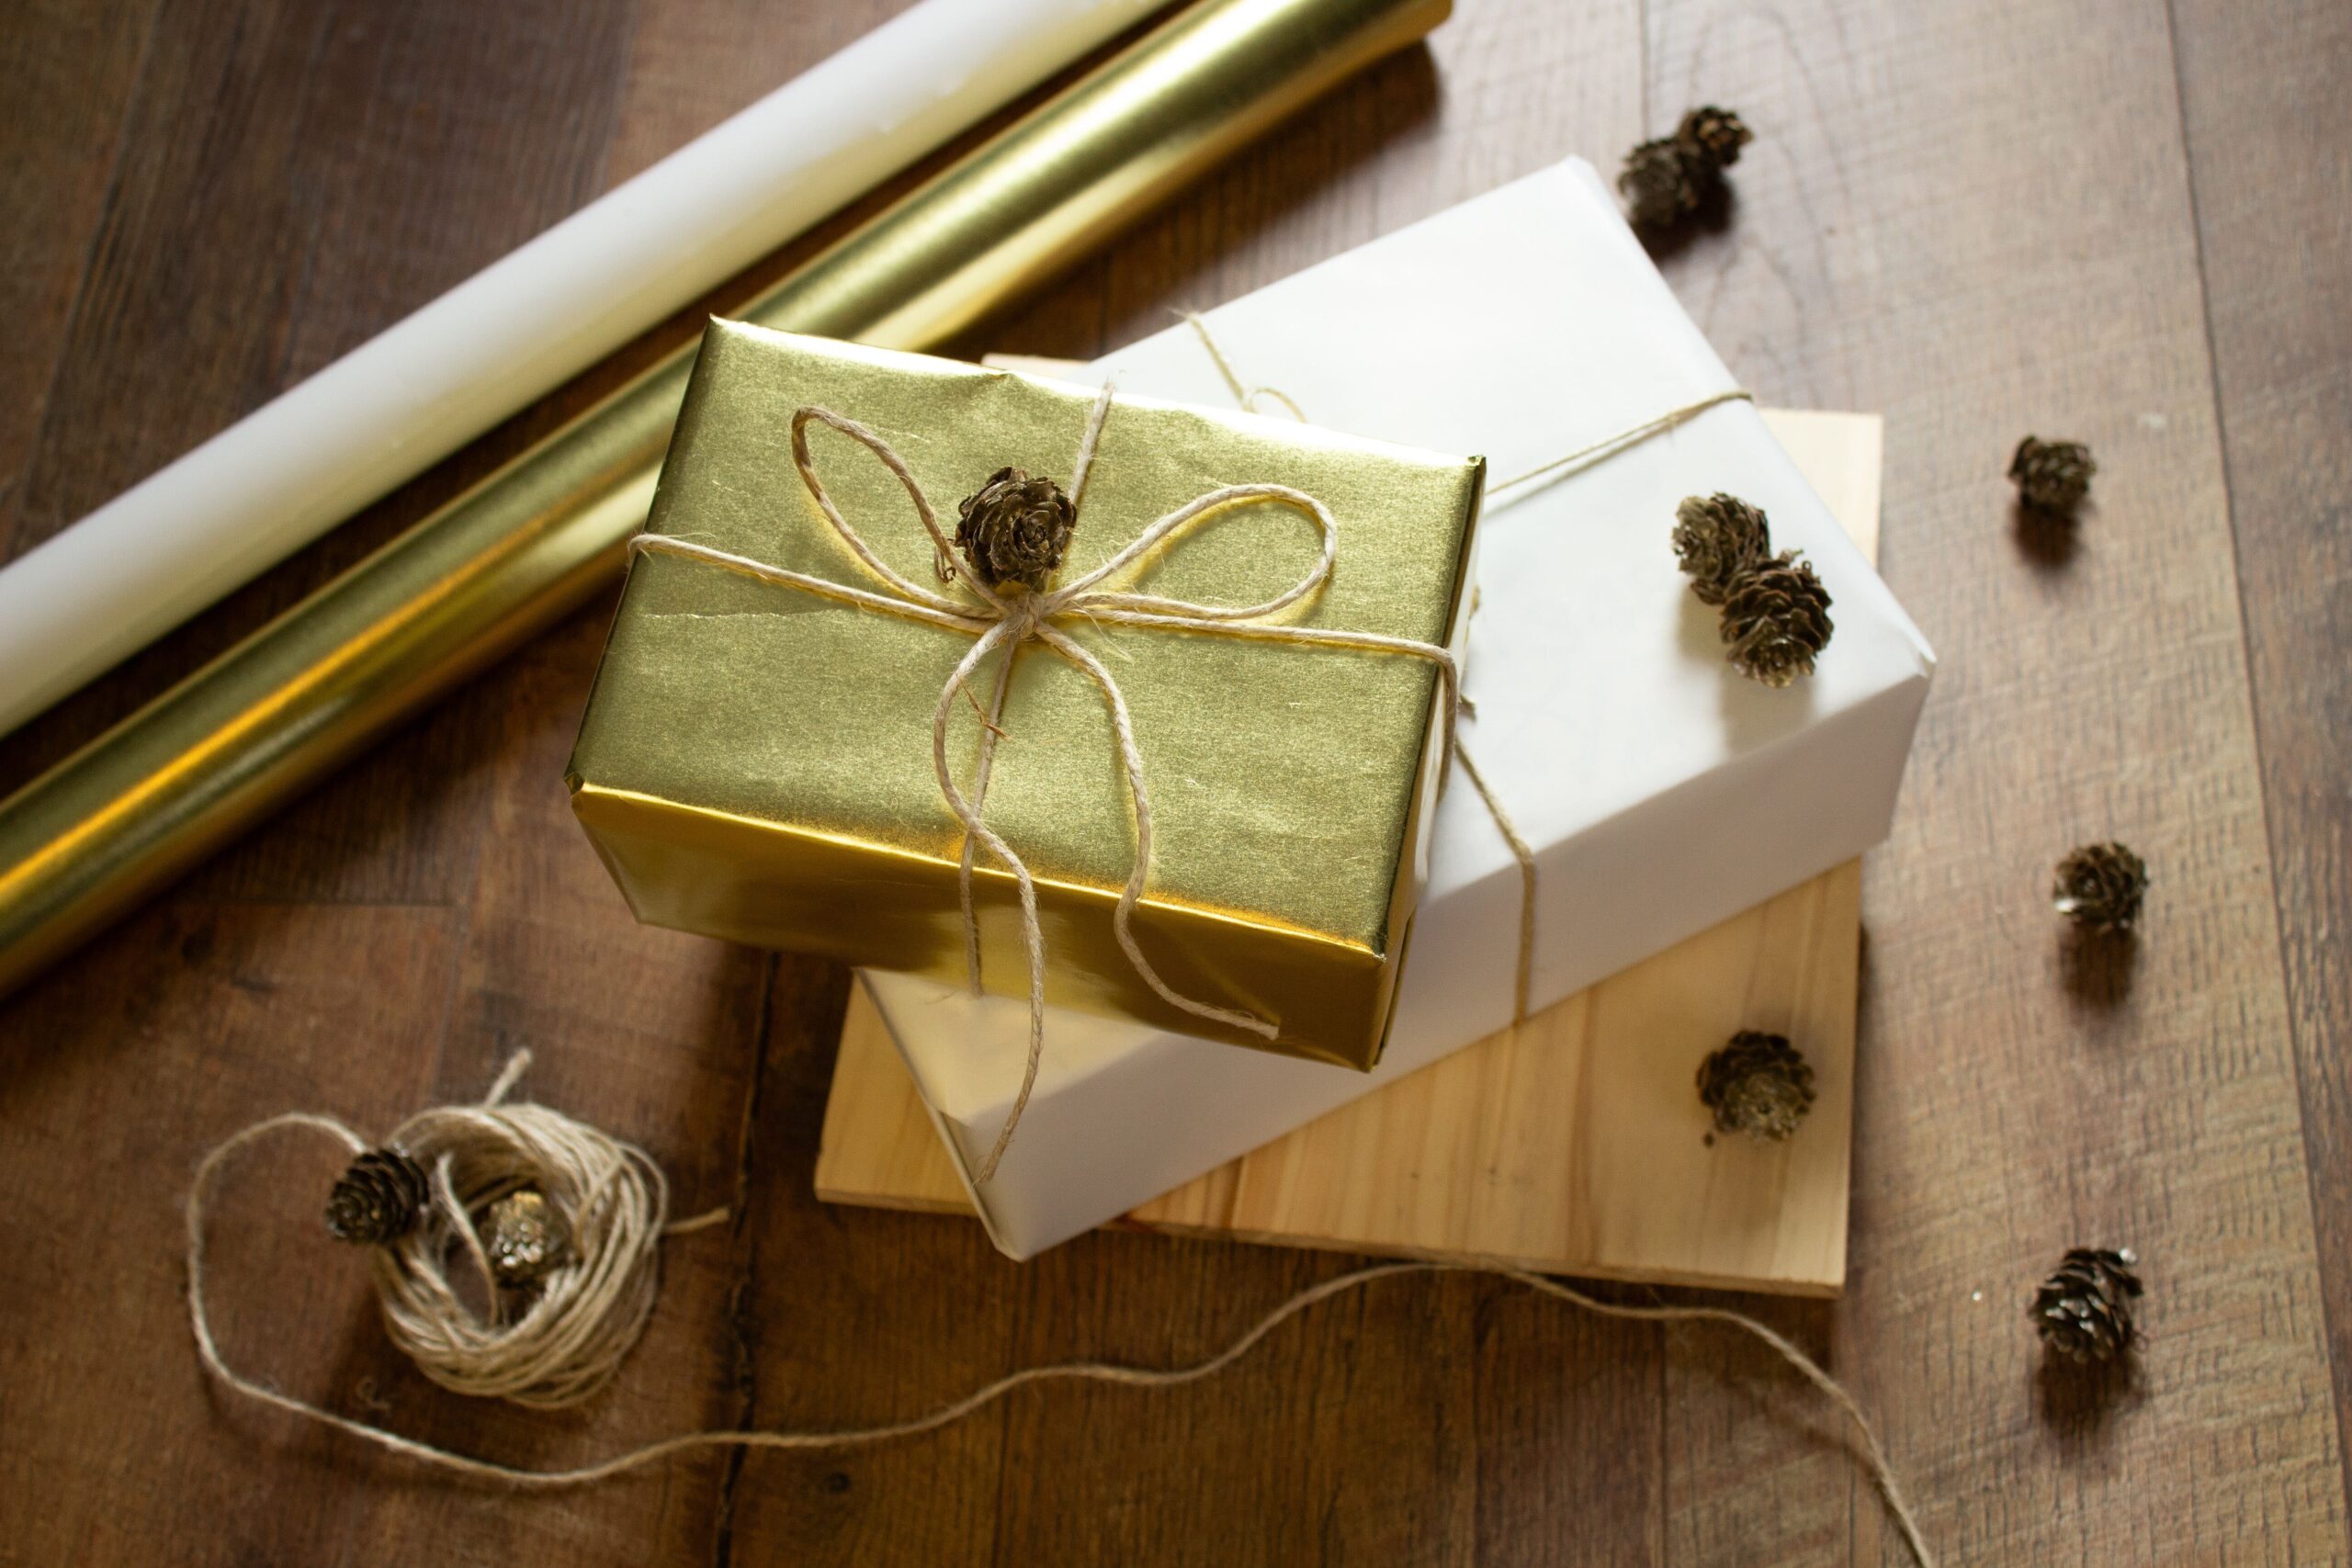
{"x":468,"y":583}
{"x":388,"y":411}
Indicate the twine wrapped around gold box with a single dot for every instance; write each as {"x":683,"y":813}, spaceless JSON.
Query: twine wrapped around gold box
{"x":757,"y":762}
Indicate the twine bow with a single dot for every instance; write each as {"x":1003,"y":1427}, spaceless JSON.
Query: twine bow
{"x":1008,"y":618}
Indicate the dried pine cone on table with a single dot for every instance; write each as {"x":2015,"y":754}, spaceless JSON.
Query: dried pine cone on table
{"x":1015,"y":528}
{"x":1667,"y":179}
{"x":2101,"y":887}
{"x":378,"y":1199}
{"x":1656,"y":185}
{"x":1711,"y":137}
{"x":2084,"y":1310}
{"x":1776,"y":620}
{"x":1758,"y":1084}
{"x":2051,"y":477}
{"x":1718,"y":538}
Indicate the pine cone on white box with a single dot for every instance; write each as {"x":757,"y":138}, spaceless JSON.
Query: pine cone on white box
{"x":1718,"y":540}
{"x":1776,"y":620}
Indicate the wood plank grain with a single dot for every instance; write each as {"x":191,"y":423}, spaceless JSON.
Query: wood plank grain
{"x":1911,"y":234}
{"x":1572,"y":1144}
{"x":72,"y":68}
{"x":210,"y":1016}
{"x":202,"y":1017}
{"x":2273,"y":192}
{"x":201,"y":1021}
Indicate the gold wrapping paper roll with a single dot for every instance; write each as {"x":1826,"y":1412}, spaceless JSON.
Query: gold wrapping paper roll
{"x":471,"y":581}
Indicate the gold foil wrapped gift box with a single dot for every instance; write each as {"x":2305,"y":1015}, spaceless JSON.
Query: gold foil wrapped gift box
{"x":757,"y":760}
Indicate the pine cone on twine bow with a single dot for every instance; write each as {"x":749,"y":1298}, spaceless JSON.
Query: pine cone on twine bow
{"x":526,"y":1236}
{"x":1718,"y":539}
{"x":2101,"y":887}
{"x":1758,"y":1084}
{"x":1776,"y":619}
{"x":2051,"y":477}
{"x":2084,"y":1310}
{"x":378,"y":1199}
{"x":1015,"y":528}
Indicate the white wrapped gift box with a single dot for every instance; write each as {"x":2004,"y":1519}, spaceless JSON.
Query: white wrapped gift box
{"x":1660,"y":791}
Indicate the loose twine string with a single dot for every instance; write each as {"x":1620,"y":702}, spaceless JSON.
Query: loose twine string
{"x":568,"y":1344}
{"x":1011,"y":616}
{"x":1568,"y":462}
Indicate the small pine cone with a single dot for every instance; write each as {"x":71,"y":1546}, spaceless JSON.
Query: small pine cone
{"x":1758,"y":1084}
{"x":1713,"y":137}
{"x":1776,"y":619}
{"x":2084,"y":1310}
{"x":378,"y":1199}
{"x":1657,"y":186}
{"x":526,"y":1237}
{"x":2053,"y":476}
{"x":1014,"y":528}
{"x":1719,"y":538}
{"x":2101,"y":885}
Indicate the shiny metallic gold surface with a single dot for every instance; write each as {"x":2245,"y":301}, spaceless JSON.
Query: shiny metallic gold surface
{"x":493,"y":567}
{"x":756,"y":762}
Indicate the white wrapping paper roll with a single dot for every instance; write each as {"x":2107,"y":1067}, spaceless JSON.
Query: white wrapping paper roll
{"x":392,"y":408}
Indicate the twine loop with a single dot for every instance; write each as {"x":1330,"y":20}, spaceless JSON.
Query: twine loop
{"x":566,"y":1340}
{"x":1010,"y":615}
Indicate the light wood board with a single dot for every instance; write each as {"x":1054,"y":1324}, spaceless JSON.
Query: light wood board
{"x":1573,"y":1144}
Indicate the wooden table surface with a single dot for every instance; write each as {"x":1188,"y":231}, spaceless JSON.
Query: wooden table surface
{"x":2126,"y":221}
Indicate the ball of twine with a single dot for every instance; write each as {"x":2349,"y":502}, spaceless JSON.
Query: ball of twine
{"x":565,"y":1341}
{"x":552,"y":1346}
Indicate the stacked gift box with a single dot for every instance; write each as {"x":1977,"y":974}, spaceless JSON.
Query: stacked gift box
{"x":758,"y":760}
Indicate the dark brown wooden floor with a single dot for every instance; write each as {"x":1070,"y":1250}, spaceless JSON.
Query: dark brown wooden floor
{"x":2121,"y":220}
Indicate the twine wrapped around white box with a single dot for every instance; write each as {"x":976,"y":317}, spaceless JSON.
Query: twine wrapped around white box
{"x":1661,"y":791}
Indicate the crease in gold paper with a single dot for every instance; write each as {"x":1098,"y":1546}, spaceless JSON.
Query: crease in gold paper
{"x":756,"y":761}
